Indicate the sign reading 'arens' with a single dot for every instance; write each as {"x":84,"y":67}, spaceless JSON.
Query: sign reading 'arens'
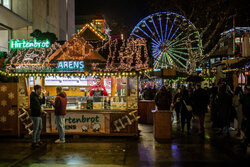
{"x":68,"y":66}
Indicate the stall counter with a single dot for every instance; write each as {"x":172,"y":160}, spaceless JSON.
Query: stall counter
{"x":92,"y":122}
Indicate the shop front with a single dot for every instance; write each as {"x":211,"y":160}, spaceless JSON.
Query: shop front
{"x":75,"y":66}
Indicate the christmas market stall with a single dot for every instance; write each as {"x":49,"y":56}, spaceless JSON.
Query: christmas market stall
{"x":74,"y":66}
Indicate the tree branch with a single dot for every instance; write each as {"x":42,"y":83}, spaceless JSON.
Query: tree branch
{"x":215,"y":47}
{"x":205,"y":29}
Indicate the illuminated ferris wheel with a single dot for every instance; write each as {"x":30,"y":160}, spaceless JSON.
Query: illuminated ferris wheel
{"x":175,"y":40}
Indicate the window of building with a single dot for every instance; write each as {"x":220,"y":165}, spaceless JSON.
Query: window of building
{"x":237,"y":40}
{"x":7,"y":3}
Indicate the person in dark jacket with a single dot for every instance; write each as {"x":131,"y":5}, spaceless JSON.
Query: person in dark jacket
{"x":148,"y":94}
{"x":245,"y":100}
{"x":60,"y":105}
{"x":224,"y":109}
{"x":187,"y":99}
{"x":35,"y":106}
{"x":201,"y":100}
{"x":177,"y":104}
{"x":163,"y":98}
{"x":213,"y":105}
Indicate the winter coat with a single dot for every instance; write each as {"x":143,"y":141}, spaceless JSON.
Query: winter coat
{"x":201,"y":100}
{"x":35,"y":104}
{"x":224,"y":108}
{"x":188,"y":100}
{"x":163,"y":99}
{"x":177,"y":101}
{"x":148,"y":94}
{"x":245,"y":100}
{"x":237,"y":104}
{"x":60,"y":104}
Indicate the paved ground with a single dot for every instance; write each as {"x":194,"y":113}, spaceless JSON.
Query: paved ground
{"x":182,"y":150}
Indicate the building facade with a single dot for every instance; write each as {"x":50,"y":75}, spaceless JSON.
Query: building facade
{"x":19,"y":18}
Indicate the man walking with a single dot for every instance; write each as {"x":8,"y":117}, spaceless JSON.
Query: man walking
{"x":60,"y":105}
{"x":163,"y":98}
{"x":201,"y":100}
{"x":35,"y":105}
{"x":245,"y":100}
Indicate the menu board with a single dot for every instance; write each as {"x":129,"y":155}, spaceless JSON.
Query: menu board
{"x":69,"y":81}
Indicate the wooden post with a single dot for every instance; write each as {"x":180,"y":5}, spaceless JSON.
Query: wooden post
{"x":113,"y":85}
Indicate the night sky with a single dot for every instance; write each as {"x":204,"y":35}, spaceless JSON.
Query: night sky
{"x":123,"y":15}
{"x":127,"y":13}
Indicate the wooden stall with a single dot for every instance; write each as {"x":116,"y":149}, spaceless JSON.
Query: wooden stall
{"x":74,"y":66}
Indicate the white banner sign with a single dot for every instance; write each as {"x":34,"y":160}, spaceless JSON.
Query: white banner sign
{"x":80,"y":122}
{"x":68,"y":81}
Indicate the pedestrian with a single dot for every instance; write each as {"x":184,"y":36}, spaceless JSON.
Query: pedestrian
{"x":177,"y":104}
{"x":245,"y":100}
{"x":163,"y":98}
{"x":186,"y":109}
{"x":238,"y":108}
{"x":35,"y":106}
{"x":60,"y":105}
{"x":148,"y":94}
{"x":224,"y":109}
{"x":201,"y":100}
{"x":213,"y":105}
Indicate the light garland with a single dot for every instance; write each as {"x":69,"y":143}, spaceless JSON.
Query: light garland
{"x":106,"y":74}
{"x":93,"y":30}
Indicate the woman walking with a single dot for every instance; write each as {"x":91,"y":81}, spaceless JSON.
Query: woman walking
{"x":238,"y":108}
{"x":186,"y":109}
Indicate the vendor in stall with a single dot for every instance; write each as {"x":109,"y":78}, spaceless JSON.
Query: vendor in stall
{"x":98,"y":90}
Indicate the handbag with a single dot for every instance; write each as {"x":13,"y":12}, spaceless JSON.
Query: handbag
{"x":189,"y":107}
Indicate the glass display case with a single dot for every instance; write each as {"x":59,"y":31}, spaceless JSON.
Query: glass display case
{"x":123,"y":96}
{"x":98,"y":102}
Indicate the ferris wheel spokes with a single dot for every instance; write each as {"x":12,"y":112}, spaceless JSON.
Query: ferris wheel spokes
{"x":177,"y":60}
{"x":171,"y":28}
{"x":166,"y":29}
{"x":177,"y":55}
{"x":175,"y":31}
{"x":161,"y":29}
{"x":148,"y":35}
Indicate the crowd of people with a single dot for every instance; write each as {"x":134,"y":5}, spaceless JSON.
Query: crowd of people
{"x":227,"y":107}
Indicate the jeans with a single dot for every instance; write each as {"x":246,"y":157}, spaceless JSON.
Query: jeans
{"x":37,"y":128}
{"x":60,"y":125}
{"x":201,"y":119}
{"x":186,"y":117}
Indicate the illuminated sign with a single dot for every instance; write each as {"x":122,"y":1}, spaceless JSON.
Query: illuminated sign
{"x":68,"y":66}
{"x":23,"y":44}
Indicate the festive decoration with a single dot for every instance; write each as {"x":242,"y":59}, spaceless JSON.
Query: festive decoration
{"x":11,"y":112}
{"x":3,"y":103}
{"x":18,"y":44}
{"x":233,"y":35}
{"x":175,"y":40}
{"x":3,"y":88}
{"x":92,"y":28}
{"x":80,"y":74}
{"x":11,"y":95}
{"x":2,"y":119}
{"x":31,"y":60}
{"x":26,"y":120}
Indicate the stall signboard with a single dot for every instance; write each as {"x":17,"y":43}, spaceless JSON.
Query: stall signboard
{"x":81,"y":122}
{"x":70,"y":66}
{"x":23,"y":44}
{"x":69,"y":81}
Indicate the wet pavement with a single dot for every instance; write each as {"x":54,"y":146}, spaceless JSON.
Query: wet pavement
{"x":182,"y":150}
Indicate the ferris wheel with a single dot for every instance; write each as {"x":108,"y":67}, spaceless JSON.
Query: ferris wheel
{"x":175,"y":40}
